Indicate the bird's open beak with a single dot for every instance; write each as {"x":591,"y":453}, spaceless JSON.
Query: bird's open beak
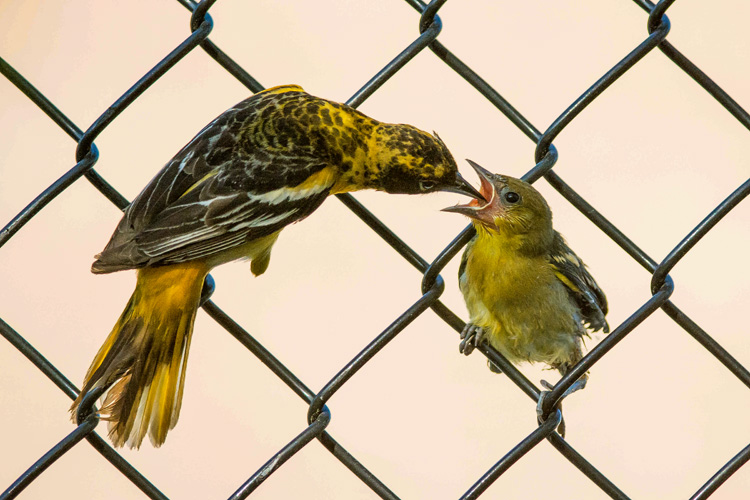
{"x":485,"y":198}
{"x":463,"y":187}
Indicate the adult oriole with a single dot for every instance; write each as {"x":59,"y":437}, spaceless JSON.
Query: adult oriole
{"x":265,"y":163}
{"x":527,"y":292}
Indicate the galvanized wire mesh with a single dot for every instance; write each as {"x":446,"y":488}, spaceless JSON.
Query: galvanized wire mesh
{"x":432,"y":283}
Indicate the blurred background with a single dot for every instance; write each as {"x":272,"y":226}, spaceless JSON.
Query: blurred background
{"x":654,"y":154}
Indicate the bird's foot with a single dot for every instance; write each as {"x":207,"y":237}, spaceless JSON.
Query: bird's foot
{"x":578,"y":385}
{"x":540,"y":407}
{"x":471,"y":337}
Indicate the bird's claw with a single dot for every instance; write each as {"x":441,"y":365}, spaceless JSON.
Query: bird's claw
{"x":542,"y":396}
{"x":577,"y":385}
{"x":540,"y":407}
{"x":471,"y":337}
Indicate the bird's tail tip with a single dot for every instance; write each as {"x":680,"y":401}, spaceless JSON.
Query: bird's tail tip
{"x":142,"y":363}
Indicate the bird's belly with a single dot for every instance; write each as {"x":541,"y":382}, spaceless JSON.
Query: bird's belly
{"x":553,"y":347}
{"x":525,"y":320}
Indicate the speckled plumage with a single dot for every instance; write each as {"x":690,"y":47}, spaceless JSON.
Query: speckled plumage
{"x":265,"y":163}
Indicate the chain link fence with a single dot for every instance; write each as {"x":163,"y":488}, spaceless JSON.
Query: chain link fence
{"x":432,"y":284}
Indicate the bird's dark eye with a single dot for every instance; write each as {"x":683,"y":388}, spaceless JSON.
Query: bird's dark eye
{"x":426,"y":185}
{"x":512,"y":197}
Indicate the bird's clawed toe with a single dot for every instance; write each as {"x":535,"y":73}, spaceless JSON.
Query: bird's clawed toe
{"x":471,"y":337}
{"x":577,"y":386}
{"x":540,"y":407}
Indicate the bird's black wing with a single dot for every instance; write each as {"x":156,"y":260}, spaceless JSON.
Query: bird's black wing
{"x":572,"y":272}
{"x":215,"y":217}
{"x":247,"y":174}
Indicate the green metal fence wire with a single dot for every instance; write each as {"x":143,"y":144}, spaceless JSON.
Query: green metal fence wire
{"x":658,"y":27}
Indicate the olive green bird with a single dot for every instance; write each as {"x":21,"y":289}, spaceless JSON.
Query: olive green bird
{"x":528,"y":294}
{"x":265,"y":163}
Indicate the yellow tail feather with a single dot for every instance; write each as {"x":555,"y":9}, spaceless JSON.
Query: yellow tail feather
{"x":144,"y":358}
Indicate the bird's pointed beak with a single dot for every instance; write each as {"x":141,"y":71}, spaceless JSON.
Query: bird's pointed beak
{"x":484,"y":175}
{"x":474,"y":208}
{"x":462,"y":186}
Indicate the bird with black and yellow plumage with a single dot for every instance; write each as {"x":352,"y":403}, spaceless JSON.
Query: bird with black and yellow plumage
{"x":265,"y":163}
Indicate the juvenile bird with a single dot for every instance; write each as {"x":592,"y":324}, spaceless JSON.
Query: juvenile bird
{"x":527,"y":292}
{"x":265,"y":163}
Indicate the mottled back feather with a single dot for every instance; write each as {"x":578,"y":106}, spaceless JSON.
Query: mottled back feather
{"x":214,"y":193}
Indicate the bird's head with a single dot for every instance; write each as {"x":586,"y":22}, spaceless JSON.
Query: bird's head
{"x":511,"y":207}
{"x":413,"y":162}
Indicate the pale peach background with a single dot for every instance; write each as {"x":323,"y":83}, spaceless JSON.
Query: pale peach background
{"x":654,"y":154}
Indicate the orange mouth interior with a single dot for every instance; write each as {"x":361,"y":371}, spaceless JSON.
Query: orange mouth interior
{"x":487,"y":190}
